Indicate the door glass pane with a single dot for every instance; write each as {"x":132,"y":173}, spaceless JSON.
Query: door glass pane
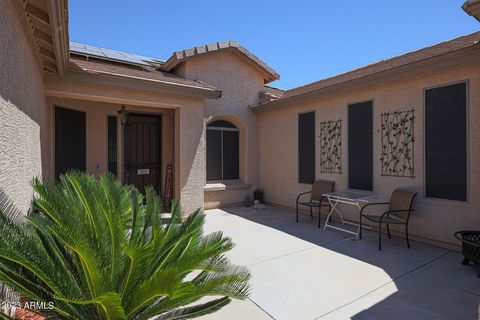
{"x":112,"y":144}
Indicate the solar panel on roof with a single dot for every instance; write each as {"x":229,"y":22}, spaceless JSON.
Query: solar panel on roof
{"x":112,"y":54}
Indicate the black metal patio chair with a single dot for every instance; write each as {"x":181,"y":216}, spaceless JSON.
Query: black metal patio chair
{"x":399,"y":209}
{"x":317,"y":200}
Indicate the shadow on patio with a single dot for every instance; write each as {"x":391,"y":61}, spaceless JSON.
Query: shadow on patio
{"x":302,"y":272}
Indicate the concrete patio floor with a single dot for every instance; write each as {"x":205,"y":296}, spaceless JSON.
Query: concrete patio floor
{"x":302,"y":272}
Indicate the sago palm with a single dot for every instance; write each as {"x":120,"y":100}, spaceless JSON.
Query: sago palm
{"x":99,"y":250}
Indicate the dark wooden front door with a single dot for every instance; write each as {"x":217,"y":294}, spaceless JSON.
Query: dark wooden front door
{"x":142,"y":151}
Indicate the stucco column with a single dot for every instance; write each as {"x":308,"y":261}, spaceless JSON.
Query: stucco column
{"x":192,"y":157}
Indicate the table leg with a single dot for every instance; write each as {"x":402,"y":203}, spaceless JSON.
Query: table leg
{"x":333,"y":201}
{"x":333,"y":205}
{"x":359,"y":226}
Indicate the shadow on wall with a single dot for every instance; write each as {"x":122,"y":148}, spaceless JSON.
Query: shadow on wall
{"x":427,"y":282}
{"x":23,"y":114}
{"x":20,"y":156}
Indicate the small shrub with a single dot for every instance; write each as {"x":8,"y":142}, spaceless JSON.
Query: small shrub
{"x":95,"y":249}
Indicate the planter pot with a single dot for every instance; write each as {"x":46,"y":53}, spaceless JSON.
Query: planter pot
{"x":470,"y":247}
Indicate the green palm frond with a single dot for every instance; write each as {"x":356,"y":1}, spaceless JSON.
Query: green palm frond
{"x":100,"y":250}
{"x":194,"y":311}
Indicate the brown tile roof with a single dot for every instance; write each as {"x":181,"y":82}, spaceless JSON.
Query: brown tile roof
{"x":179,"y":56}
{"x":472,"y":7}
{"x":270,"y":94}
{"x":385,"y":65}
{"x":407,"y":58}
{"x":96,"y":66}
{"x":274,"y":91}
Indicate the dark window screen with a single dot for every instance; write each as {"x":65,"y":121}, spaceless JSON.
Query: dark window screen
{"x":223,"y":151}
{"x":306,"y":147}
{"x":446,"y":142}
{"x":222,"y":124}
{"x":214,"y":155}
{"x":360,"y":146}
{"x":70,"y":145}
{"x":112,"y":144}
{"x":230,"y":155}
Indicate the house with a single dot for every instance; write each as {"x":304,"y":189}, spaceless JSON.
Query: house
{"x":205,"y":127}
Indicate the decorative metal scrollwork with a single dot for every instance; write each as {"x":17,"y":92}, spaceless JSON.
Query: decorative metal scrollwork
{"x":331,"y":146}
{"x":397,"y":143}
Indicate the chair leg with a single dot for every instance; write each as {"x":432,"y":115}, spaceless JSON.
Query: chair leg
{"x":360,"y":230}
{"x":477,"y":268}
{"x":379,"y":237}
{"x":406,"y":235}
{"x":297,"y":211}
{"x":330,"y":210}
{"x":388,"y":231}
{"x":311,"y":212}
{"x":319,"y":216}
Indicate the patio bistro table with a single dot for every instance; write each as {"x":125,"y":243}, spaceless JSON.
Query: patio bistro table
{"x":355,"y":198}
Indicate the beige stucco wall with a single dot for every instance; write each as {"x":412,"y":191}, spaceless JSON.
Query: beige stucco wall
{"x":22,"y":107}
{"x":183,"y":129}
{"x":434,"y":220}
{"x":240,"y":84}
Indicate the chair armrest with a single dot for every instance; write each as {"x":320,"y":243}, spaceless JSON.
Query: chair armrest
{"x":372,"y":204}
{"x":323,"y":198}
{"x":405,"y":210}
{"x":387,"y":213}
{"x":303,"y":193}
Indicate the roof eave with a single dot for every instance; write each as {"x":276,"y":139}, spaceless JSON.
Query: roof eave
{"x":147,"y":84}
{"x":472,"y":8}
{"x":268,"y":73}
{"x":368,"y":79}
{"x":47,"y":22}
{"x":170,"y":64}
{"x":59,"y":27}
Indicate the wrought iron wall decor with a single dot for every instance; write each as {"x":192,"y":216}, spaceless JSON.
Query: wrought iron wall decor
{"x":397,"y":143}
{"x":331,"y":146}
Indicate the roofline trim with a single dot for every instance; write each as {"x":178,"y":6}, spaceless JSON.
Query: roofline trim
{"x":180,"y":56}
{"x":146,"y":84}
{"x":52,"y":46}
{"x":376,"y":76}
{"x":472,"y":7}
{"x":59,"y":28}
